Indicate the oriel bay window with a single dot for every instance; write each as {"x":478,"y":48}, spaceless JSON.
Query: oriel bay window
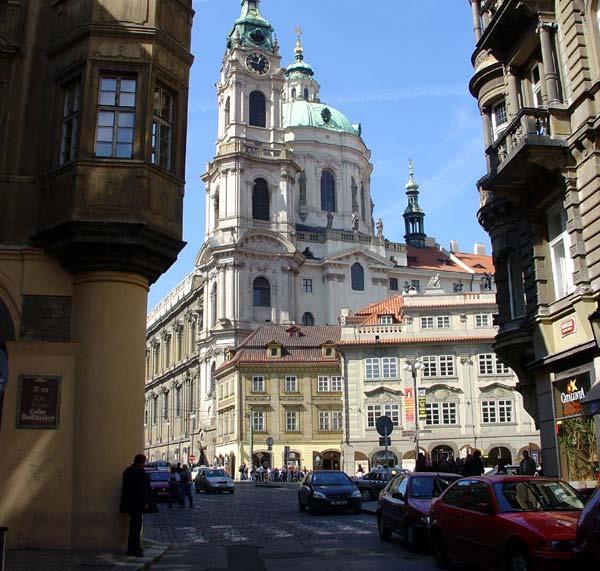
{"x":162,"y":129}
{"x":70,"y":122}
{"x":499,"y":119}
{"x":116,"y":117}
{"x":559,"y":244}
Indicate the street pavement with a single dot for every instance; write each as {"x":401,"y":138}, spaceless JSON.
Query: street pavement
{"x":261,"y":529}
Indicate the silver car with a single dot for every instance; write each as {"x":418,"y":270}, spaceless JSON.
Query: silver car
{"x":213,"y":480}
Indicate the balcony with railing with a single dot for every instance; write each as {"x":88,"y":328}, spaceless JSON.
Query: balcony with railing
{"x":526,"y":142}
{"x":256,"y":150}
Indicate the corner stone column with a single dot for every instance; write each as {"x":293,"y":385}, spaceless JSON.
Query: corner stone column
{"x":550,"y":75}
{"x":476,"y":11}
{"x":109,"y":323}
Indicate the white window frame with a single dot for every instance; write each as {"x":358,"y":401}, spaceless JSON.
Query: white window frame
{"x":428,"y":322}
{"x":372,"y":369}
{"x":290,"y":384}
{"x":483,"y":320}
{"x":499,"y":125}
{"x":439,"y":366}
{"x":441,"y":414}
{"x":389,"y":367}
{"x":435,"y":322}
{"x":386,"y":320}
{"x":490,"y":364}
{"x":335,"y":384}
{"x":323,"y":385}
{"x":324,"y":421}
{"x":337,"y":420}
{"x":537,"y":100}
{"x":258,"y":384}
{"x":376,"y":410}
{"x":291,"y":421}
{"x":258,"y":421}
{"x":562,"y":266}
{"x":497,"y":411}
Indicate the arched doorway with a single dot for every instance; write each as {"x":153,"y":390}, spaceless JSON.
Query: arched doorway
{"x":7,"y":333}
{"x":498,"y":452}
{"x":384,"y":459}
{"x":442,"y":453}
{"x":534,"y":452}
{"x":328,"y":460}
{"x":262,"y":459}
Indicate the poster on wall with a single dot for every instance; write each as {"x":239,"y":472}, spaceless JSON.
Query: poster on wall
{"x":409,"y":406}
{"x":38,"y":403}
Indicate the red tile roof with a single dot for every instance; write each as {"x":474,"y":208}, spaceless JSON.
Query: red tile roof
{"x":430,"y":258}
{"x":301,"y":344}
{"x":480,"y":264}
{"x":414,"y":340}
{"x":370,"y":314}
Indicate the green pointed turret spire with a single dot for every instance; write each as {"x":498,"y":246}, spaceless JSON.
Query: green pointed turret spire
{"x":299,"y":66}
{"x":414,"y":216}
{"x":251,"y":30}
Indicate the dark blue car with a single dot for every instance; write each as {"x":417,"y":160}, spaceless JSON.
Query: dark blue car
{"x":328,"y":489}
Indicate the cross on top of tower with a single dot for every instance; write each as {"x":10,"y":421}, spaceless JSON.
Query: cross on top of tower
{"x":299,"y":51}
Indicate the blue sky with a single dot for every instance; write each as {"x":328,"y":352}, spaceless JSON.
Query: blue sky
{"x":399,"y":67}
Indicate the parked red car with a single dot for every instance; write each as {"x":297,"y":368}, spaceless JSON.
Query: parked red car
{"x":514,"y":523}
{"x":159,"y":482}
{"x":404,"y":505}
{"x":588,"y":530}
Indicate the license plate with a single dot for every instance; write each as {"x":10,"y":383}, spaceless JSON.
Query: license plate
{"x":339,"y":502}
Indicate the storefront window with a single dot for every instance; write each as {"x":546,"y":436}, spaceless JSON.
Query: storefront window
{"x":576,"y":433}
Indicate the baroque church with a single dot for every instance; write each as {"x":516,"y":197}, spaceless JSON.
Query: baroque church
{"x":290,"y":236}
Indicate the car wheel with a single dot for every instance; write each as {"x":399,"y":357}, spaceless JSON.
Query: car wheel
{"x":440,"y":551}
{"x":385,"y":533}
{"x":366,"y":495}
{"x":518,"y":559}
{"x":410,"y":536}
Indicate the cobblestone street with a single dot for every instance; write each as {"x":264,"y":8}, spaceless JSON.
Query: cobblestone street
{"x":261,"y":529}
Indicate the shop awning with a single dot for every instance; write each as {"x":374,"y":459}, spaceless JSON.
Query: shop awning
{"x":591,"y":402}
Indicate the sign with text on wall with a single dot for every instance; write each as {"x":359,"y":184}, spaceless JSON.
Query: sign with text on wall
{"x":568,"y":327}
{"x":568,"y":394}
{"x":409,"y":405}
{"x":422,"y":404}
{"x":38,"y":404}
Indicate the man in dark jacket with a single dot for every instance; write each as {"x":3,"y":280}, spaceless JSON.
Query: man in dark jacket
{"x":136,"y":499}
{"x":474,"y":465}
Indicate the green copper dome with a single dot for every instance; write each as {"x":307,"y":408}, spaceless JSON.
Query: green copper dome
{"x":303,"y":113}
{"x":251,"y":30}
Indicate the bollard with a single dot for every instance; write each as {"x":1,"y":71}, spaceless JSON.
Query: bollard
{"x":3,"y":531}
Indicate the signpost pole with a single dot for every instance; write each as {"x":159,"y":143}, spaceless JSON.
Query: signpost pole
{"x":385,"y":436}
{"x":251,"y":420}
{"x":416,"y":404}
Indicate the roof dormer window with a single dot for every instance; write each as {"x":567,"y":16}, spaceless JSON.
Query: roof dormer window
{"x":386,"y":320}
{"x":274,"y":350}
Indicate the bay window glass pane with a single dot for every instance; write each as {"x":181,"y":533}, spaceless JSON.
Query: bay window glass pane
{"x":104,"y":149}
{"x":124,"y":151}
{"x":125,"y":119}
{"x":106,"y":119}
{"x":125,"y":135}
{"x":105,"y":134}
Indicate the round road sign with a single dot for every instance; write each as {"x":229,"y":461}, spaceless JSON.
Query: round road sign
{"x":269,"y":442}
{"x":384,"y":426}
{"x":192,"y":457}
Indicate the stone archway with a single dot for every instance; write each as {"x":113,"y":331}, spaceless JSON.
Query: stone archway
{"x":441,"y":453}
{"x":498,"y":452}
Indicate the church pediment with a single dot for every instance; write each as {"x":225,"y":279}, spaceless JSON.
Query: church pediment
{"x":349,"y":256}
{"x":265,"y":243}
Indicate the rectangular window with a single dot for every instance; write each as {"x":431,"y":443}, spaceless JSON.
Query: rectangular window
{"x":393,"y":411}
{"x":483,"y":320}
{"x":427,"y":322}
{"x":307,"y":285}
{"x":389,"y":366}
{"x":162,"y":129}
{"x":536,"y":86}
{"x":501,"y":368}
{"x":504,"y":411}
{"x":441,"y":366}
{"x":499,"y":119}
{"x":323,"y":385}
{"x":394,"y":284}
{"x":441,"y":413}
{"x":154,"y":410}
{"x":489,"y":364}
{"x":374,"y":411}
{"x":166,"y":406}
{"x":258,"y":421}
{"x":116,"y":117}
{"x":559,"y":243}
{"x":258,"y":384}
{"x":430,"y":368}
{"x":386,"y":320}
{"x":336,"y":419}
{"x":416,"y":284}
{"x":372,"y":369}
{"x":291,"y":421}
{"x":70,"y":122}
{"x":324,"y":423}
{"x":496,"y":411}
{"x":446,"y":365}
{"x":443,"y":321}
{"x":178,"y":402}
{"x":291,"y":385}
{"x":336,"y":384}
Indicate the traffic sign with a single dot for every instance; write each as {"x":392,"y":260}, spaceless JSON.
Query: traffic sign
{"x":384,"y":426}
{"x":385,"y":441}
{"x":192,"y":457}
{"x":269,"y":442}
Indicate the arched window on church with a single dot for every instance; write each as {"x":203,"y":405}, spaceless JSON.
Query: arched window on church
{"x":260,"y":200}
{"x":261,"y":293}
{"x":358,"y":277}
{"x":258,"y":109}
{"x":227,"y":111}
{"x":363,"y":212}
{"x":306,"y":94}
{"x":213,"y":381}
{"x":213,"y":305}
{"x":294,"y":93}
{"x":327,"y":191}
{"x":308,"y":319}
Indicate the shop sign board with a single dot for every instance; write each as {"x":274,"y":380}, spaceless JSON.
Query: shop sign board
{"x":38,"y":402}
{"x":568,"y":327}
{"x":569,"y":394}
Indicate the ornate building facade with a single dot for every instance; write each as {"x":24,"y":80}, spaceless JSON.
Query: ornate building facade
{"x":537,"y":72}
{"x":290,"y":235}
{"x":93,"y":116}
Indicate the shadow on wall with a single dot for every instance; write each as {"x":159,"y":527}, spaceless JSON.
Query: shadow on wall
{"x":7,"y":333}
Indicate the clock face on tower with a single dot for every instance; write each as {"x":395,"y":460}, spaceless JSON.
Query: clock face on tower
{"x":258,"y":64}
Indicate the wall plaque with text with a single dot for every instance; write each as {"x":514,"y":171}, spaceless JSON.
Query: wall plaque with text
{"x":39,"y":402}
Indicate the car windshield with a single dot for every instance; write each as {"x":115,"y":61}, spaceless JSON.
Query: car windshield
{"x":159,"y":476}
{"x":429,"y":487}
{"x":536,"y":495}
{"x":215,"y":474}
{"x":331,"y":479}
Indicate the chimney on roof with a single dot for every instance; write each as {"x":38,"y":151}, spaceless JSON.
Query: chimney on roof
{"x":479,"y":249}
{"x":344,"y":314}
{"x":454,"y":246}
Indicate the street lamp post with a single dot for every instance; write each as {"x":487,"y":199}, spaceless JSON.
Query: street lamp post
{"x":413,"y":367}
{"x":168,"y":437}
{"x":192,"y":416}
{"x":251,"y":439}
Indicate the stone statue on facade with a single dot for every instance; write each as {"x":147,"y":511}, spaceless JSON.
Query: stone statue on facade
{"x":380,"y":229}
{"x":355,"y":222}
{"x":486,"y":282}
{"x":329,"y":220}
{"x":434,"y":282}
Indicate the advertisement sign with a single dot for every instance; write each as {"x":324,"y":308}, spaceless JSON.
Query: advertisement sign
{"x":38,"y":402}
{"x":422,"y":404}
{"x":409,"y":406}
{"x":569,"y":394}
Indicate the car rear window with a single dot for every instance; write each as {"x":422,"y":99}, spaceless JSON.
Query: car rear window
{"x":536,"y":495}
{"x":331,"y":479}
{"x":427,"y":487}
{"x":159,"y":476}
{"x":215,"y":474}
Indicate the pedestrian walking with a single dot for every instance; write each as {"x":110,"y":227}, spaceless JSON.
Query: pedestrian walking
{"x":527,"y":467}
{"x":360,"y":472}
{"x":501,"y":468}
{"x":185,"y":487}
{"x":474,"y":465}
{"x":421,"y":465}
{"x":174,"y":481}
{"x":136,"y":500}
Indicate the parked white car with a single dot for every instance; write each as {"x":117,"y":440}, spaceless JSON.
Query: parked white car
{"x":213,"y":480}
